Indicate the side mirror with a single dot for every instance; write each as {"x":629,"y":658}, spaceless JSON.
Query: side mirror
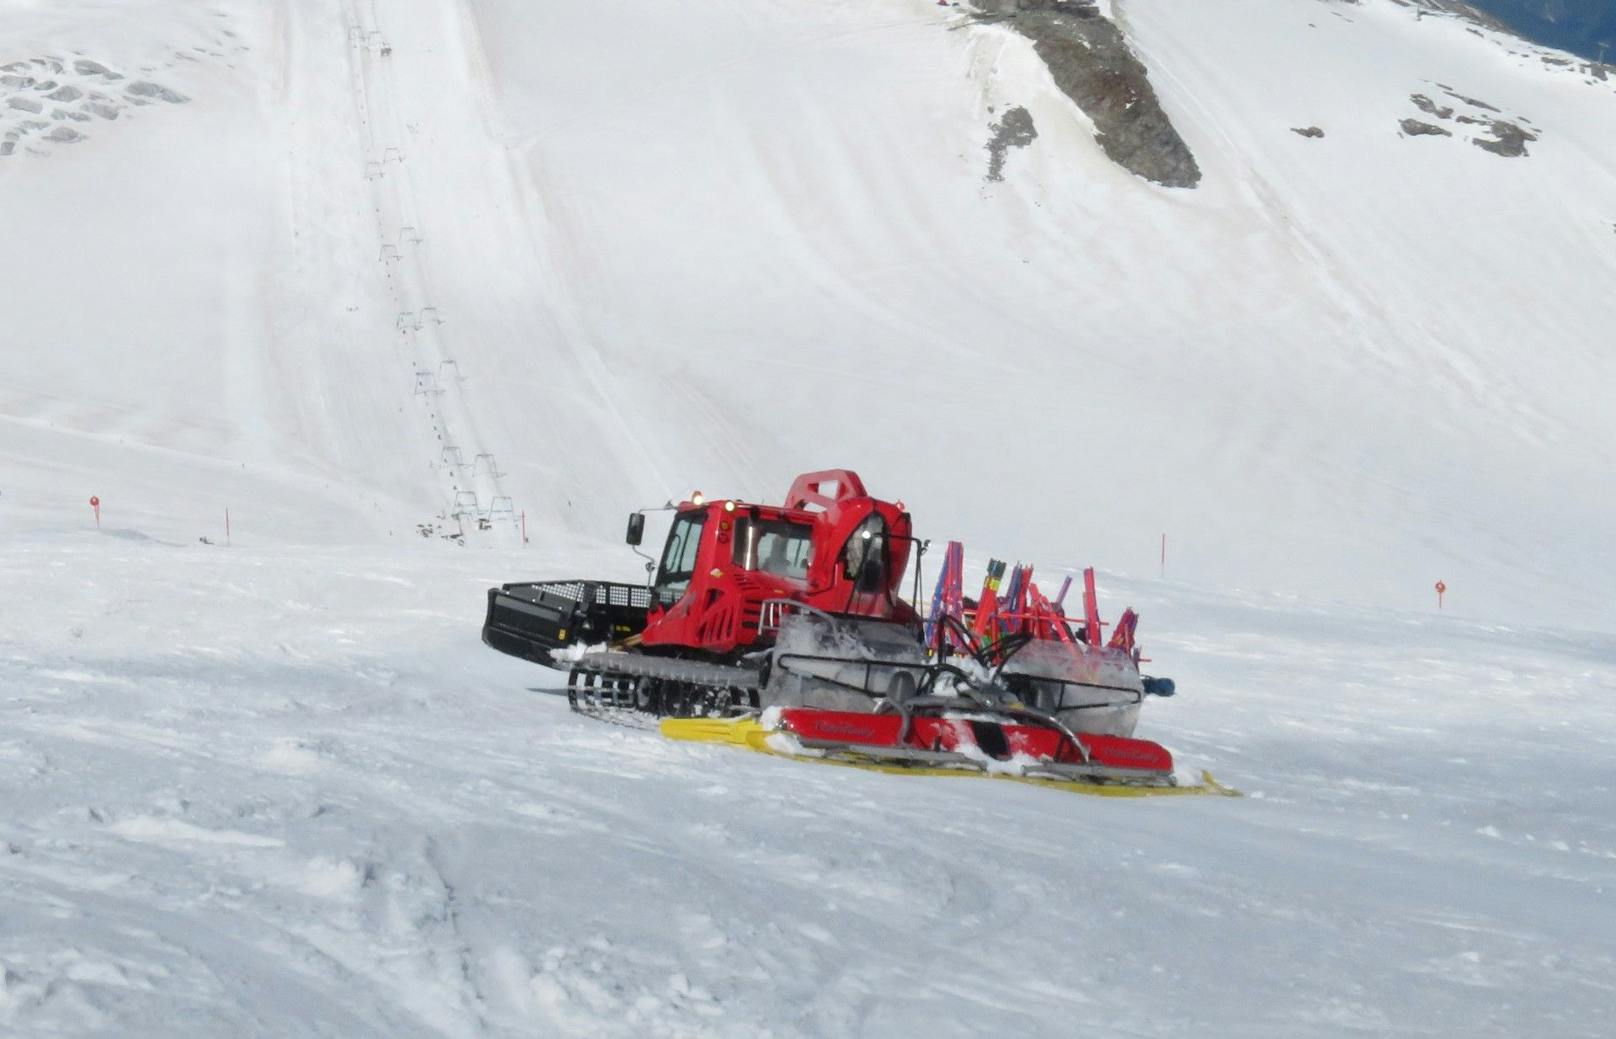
{"x":636,"y":528}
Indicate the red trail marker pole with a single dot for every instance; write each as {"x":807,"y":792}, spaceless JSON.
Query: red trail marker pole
{"x":95,"y":503}
{"x":227,"y":526}
{"x":1440,"y":590}
{"x":1164,"y":556}
{"x":524,"y":526}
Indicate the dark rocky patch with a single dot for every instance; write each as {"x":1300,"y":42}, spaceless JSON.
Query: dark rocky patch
{"x":1088,"y":57}
{"x":1307,"y":131}
{"x":1472,"y":102}
{"x":1509,"y":139}
{"x":1013,"y":130}
{"x":1415,"y":128}
{"x":1430,"y":107}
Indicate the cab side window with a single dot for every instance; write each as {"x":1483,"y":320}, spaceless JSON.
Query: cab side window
{"x":864,"y":557}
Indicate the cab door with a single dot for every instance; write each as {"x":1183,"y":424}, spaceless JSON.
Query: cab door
{"x":679,"y":558}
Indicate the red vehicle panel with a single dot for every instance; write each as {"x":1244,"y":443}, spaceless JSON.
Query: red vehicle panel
{"x":953,"y":734}
{"x":831,"y":546}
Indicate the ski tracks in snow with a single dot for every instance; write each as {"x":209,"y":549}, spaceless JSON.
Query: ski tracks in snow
{"x":234,"y":808}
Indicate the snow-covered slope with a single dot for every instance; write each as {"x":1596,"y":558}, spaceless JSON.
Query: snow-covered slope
{"x":714,"y":246}
{"x":283,"y":793}
{"x":350,"y":269}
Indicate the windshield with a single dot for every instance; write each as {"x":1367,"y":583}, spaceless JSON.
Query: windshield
{"x":679,"y":558}
{"x":777,"y":547}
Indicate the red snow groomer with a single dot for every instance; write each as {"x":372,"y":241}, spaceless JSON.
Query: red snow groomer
{"x":782,"y":628}
{"x":680,"y":645}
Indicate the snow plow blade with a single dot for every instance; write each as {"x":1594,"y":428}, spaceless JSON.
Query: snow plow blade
{"x":802,"y":735}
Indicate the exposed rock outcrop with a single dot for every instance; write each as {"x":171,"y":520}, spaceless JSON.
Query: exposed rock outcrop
{"x":1013,"y":130}
{"x":1415,"y":128}
{"x":1089,"y":58}
{"x":1509,"y":139}
{"x":1429,"y":107}
{"x":1509,"y":136}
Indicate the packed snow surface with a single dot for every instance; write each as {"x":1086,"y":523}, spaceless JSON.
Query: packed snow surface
{"x":258,"y":792}
{"x":374,"y":277}
{"x":389,"y":261}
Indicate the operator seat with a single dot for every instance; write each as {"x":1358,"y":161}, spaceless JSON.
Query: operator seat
{"x":776,"y":563}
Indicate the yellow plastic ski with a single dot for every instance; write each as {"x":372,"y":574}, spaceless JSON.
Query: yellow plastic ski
{"x":747,"y":732}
